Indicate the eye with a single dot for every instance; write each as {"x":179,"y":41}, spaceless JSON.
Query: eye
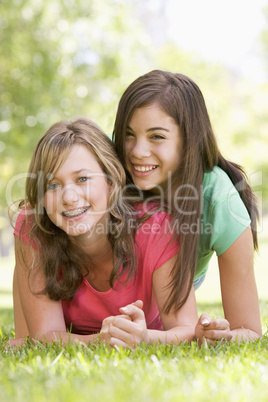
{"x":83,"y":179}
{"x":158,"y":137}
{"x":52,"y":186}
{"x":129,"y":134}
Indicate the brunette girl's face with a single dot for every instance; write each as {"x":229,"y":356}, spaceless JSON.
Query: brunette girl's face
{"x":153,"y":147}
{"x":76,"y":199}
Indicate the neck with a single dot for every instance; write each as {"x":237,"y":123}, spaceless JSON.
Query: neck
{"x":95,"y":246}
{"x":95,"y":240}
{"x":100,"y":265}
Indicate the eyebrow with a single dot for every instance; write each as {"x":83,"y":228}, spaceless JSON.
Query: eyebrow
{"x":82,"y":170}
{"x":151,"y":129}
{"x":75,"y":172}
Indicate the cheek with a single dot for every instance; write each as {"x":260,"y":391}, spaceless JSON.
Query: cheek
{"x":175,"y":157}
{"x":127,"y":149}
{"x":49,"y":203}
{"x":99,"y":193}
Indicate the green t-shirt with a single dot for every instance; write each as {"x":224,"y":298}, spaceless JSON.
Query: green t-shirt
{"x":224,"y":217}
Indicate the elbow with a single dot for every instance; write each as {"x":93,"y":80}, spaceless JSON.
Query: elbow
{"x":49,"y":337}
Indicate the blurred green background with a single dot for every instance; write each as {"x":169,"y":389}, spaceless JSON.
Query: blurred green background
{"x":62,"y":59}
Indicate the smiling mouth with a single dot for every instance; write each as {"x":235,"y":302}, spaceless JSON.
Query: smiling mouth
{"x":74,"y":212}
{"x":144,"y":168}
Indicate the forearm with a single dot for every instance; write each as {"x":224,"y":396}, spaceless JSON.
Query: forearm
{"x":174,"y":335}
{"x":60,"y":336}
{"x":67,"y":337}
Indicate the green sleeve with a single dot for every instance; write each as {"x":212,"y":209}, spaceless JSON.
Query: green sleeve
{"x":229,"y":219}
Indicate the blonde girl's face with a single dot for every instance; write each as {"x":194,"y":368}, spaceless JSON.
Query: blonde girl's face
{"x":76,"y":199}
{"x":153,"y":147}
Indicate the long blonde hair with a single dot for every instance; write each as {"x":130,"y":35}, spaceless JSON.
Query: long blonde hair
{"x":61,"y":260}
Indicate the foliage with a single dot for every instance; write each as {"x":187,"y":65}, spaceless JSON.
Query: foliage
{"x":59,"y":59}
{"x":150,"y":373}
{"x":62,"y":59}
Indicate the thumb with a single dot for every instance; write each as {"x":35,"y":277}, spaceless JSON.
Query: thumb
{"x":204,"y":320}
{"x":138,"y":303}
{"x":134,"y":312}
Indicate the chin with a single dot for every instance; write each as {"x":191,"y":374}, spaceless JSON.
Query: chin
{"x":142,"y":186}
{"x":145,"y":186}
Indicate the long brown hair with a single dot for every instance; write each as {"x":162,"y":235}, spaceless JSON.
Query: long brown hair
{"x":62,"y":262}
{"x":179,"y":97}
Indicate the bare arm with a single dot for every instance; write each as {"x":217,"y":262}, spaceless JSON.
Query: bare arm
{"x":37,"y":315}
{"x":239,"y":295}
{"x":177,"y":326}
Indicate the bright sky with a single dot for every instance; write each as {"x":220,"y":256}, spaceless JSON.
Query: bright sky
{"x":224,"y":30}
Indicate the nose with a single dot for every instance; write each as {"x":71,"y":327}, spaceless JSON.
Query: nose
{"x":140,"y":149}
{"x":69,"y":196}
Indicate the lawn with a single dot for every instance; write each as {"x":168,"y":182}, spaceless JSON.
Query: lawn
{"x":227,"y":372}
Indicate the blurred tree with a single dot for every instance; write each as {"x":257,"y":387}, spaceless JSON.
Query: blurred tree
{"x":59,"y":59}
{"x":65,"y":58}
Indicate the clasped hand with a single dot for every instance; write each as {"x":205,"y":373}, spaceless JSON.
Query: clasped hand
{"x":212,"y":330}
{"x":128,"y":329}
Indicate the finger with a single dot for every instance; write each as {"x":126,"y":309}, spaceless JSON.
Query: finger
{"x":135,"y":313}
{"x":138,"y":303}
{"x":124,"y":316}
{"x":204,"y":319}
{"x":105,"y":326}
{"x":125,"y":325}
{"x":203,"y":322}
{"x":213,"y":335}
{"x":121,"y":335}
{"x":216,"y":329}
{"x":217,"y":335}
{"x":118,"y":342}
{"x":218,"y":324}
{"x":109,"y":320}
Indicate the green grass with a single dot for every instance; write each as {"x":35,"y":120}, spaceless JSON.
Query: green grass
{"x":227,"y":372}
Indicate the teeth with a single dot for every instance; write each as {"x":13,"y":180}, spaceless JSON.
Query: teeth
{"x":76,"y":212}
{"x":144,"y":168}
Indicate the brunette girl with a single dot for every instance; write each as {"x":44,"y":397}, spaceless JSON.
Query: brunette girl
{"x":164,"y":139}
{"x":77,"y":262}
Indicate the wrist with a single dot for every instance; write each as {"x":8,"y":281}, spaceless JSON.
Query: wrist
{"x":240,"y":334}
